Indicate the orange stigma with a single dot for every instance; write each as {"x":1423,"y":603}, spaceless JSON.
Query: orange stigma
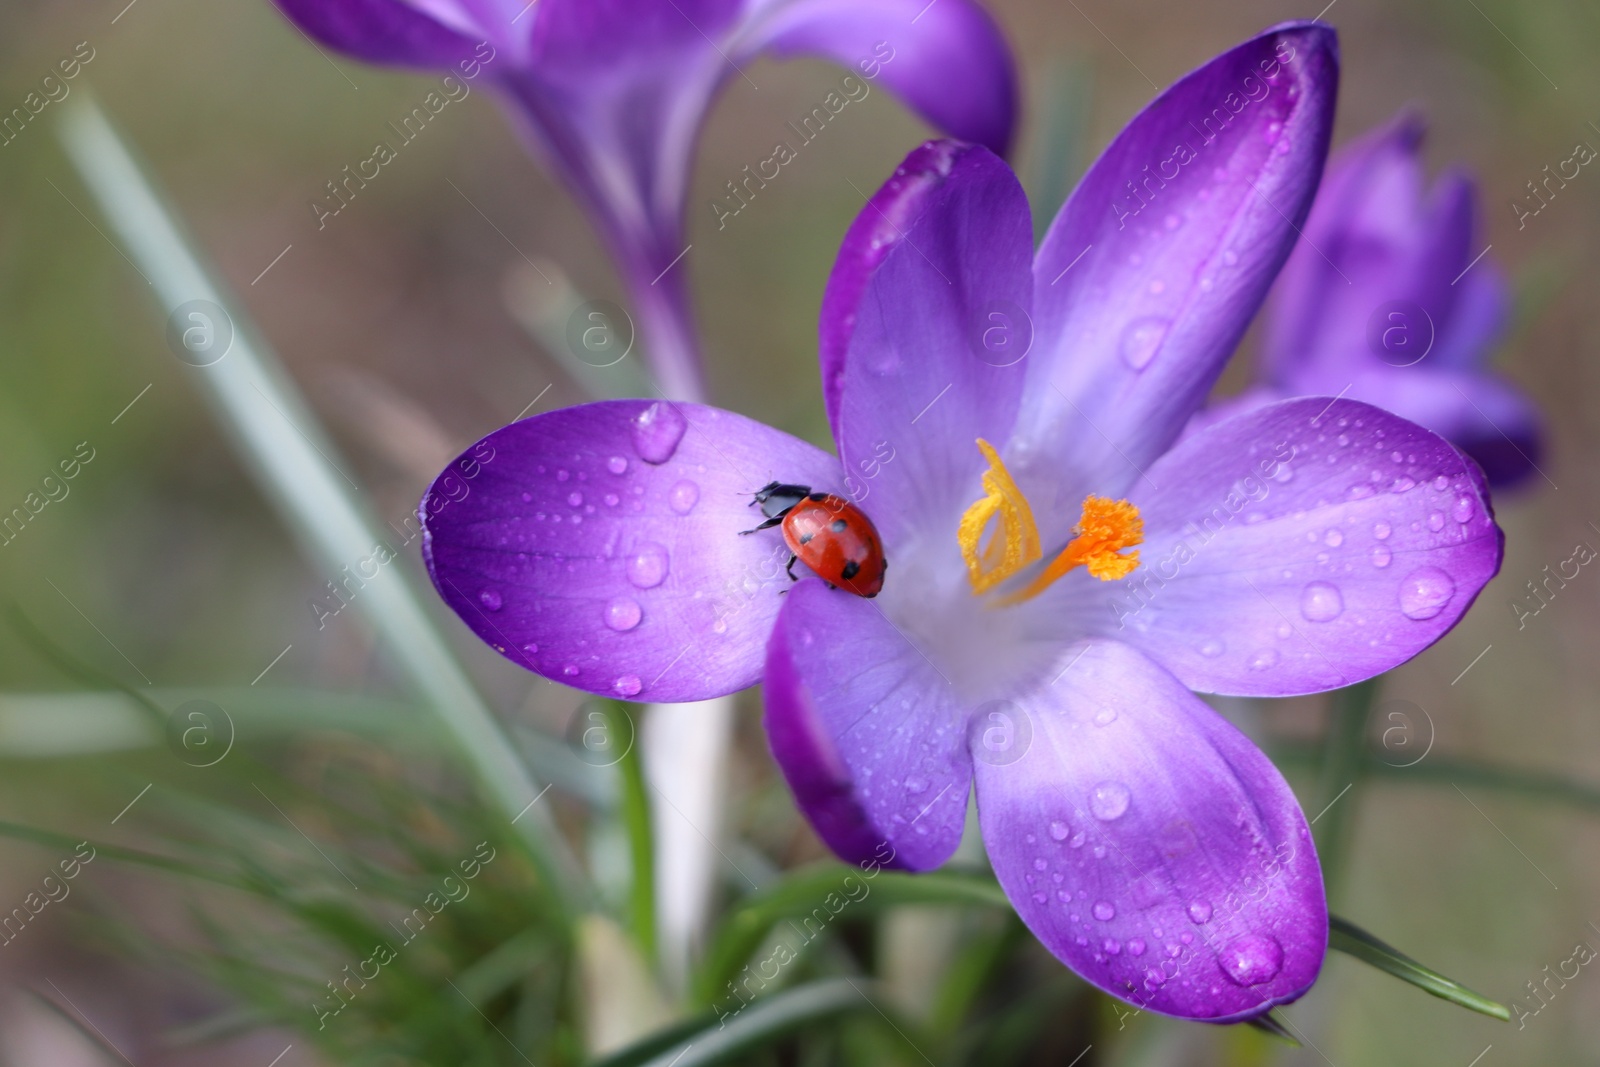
{"x":1104,"y":530}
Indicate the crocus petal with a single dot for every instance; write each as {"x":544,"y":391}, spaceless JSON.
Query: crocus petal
{"x":947,"y":61}
{"x":1151,"y":846}
{"x":1159,"y":259}
{"x":925,"y":328}
{"x":866,"y":731}
{"x":600,"y":545}
{"x":1302,"y":546}
{"x":1372,"y":284}
{"x":592,"y":37}
{"x":1480,"y":413}
{"x":381,"y":31}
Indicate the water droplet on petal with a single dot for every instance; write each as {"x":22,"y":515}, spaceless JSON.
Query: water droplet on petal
{"x":1381,"y":555}
{"x":683,"y":497}
{"x":531,"y":649}
{"x":627,"y":686}
{"x":657,"y":430}
{"x":1041,"y":898}
{"x":1104,"y":910}
{"x":617,"y":465}
{"x":647,"y":567}
{"x":570,"y":670}
{"x":1425,"y":592}
{"x":916,"y":785}
{"x":1263,"y":660}
{"x":1333,"y":539}
{"x":1105,"y":717}
{"x":575,"y":499}
{"x":623,"y":614}
{"x":490,"y":600}
{"x":1111,"y":946}
{"x":1252,"y":959}
{"x":1211,"y":648}
{"x":1436,"y":521}
{"x":1381,"y":530}
{"x":1136,"y":947}
{"x":1109,"y":800}
{"x":1200,"y":911}
{"x":1321,"y":602}
{"x":562,"y":475}
{"x":1059,"y":830}
{"x":1463,"y":510}
{"x":1141,"y":338}
{"x":1441,"y":483}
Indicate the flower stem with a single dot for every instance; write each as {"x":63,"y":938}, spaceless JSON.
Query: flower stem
{"x":1343,"y":768}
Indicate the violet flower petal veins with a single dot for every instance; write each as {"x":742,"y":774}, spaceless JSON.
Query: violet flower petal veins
{"x":1181,"y":225}
{"x":1303,"y":546}
{"x":940,"y":304}
{"x":606,"y":554}
{"x":867,"y":732}
{"x":1152,"y":847}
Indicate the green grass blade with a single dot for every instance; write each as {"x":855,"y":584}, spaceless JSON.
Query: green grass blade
{"x":635,"y":814}
{"x":1350,"y":939}
{"x":279,"y":440}
{"x":803,"y":893}
{"x":708,"y":1039}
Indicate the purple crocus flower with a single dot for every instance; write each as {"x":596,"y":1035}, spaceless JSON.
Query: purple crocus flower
{"x":611,"y":94}
{"x":1390,"y":299}
{"x":1063,"y":571}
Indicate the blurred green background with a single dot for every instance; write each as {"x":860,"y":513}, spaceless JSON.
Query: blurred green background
{"x":163,"y":566}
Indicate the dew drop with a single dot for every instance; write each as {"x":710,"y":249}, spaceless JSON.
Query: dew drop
{"x":1059,"y":830}
{"x":562,"y":475}
{"x":1381,"y":555}
{"x":1140,"y":339}
{"x":1425,"y":592}
{"x":623,"y":614}
{"x":1111,"y":946}
{"x":1462,"y":512}
{"x":1109,"y":800}
{"x":1078,"y":839}
{"x":1041,"y":898}
{"x":627,"y":686}
{"x":531,"y":649}
{"x":570,"y":670}
{"x":1436,"y":521}
{"x":1381,"y":530}
{"x":1200,"y":911}
{"x":491,"y":600}
{"x":575,"y":499}
{"x":1136,"y":947}
{"x":1321,"y":602}
{"x":1441,"y":483}
{"x":915,"y":785}
{"x":657,"y":430}
{"x":1252,"y":959}
{"x":1105,"y":717}
{"x":683,"y":497}
{"x":647,"y":567}
{"x":1333,"y":539}
{"x":617,"y":465}
{"x":612,"y":500}
{"x":1263,"y":660}
{"x":1211,"y":648}
{"x":1104,"y":910}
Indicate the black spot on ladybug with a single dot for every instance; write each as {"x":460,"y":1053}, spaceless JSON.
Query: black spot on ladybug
{"x":838,"y":526}
{"x":805,"y":538}
{"x":850,"y":570}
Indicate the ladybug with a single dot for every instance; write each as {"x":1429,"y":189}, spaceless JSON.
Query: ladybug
{"x":828,"y":534}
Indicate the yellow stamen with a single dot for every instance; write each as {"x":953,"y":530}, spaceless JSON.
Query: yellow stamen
{"x":1014,"y":545}
{"x":1106,"y":527}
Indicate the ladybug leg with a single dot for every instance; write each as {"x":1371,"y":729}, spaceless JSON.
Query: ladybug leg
{"x":769,"y":524}
{"x":790,"y":568}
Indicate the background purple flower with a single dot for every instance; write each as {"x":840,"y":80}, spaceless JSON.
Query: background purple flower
{"x":1389,"y":299}
{"x":1287,"y":550}
{"x":612,"y":93}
